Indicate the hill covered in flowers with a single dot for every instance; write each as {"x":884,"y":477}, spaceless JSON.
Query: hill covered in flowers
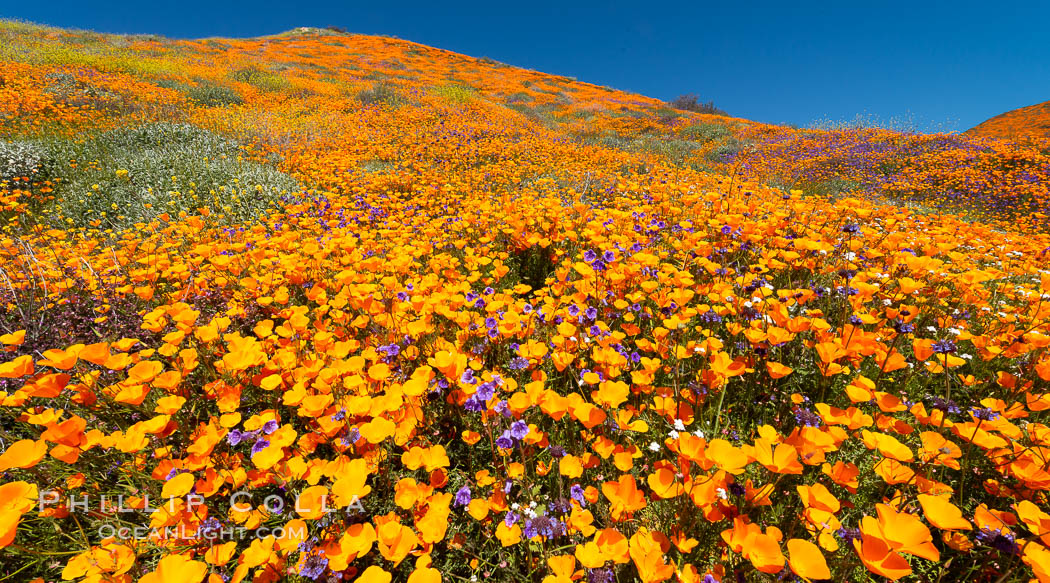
{"x":334,"y":307}
{"x":1032,"y":121}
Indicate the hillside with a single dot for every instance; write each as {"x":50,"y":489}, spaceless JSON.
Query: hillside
{"x":231,"y":86}
{"x":331,"y":307}
{"x":1032,"y":121}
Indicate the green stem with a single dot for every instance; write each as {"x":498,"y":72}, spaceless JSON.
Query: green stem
{"x":718,"y":411}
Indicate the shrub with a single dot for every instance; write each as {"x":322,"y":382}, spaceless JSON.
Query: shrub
{"x":260,"y":79}
{"x":830,"y":187}
{"x":394,"y":64}
{"x":24,"y":183}
{"x":374,"y":166}
{"x":173,"y":84}
{"x":519,"y":97}
{"x":129,"y":176}
{"x":209,"y":94}
{"x":673,"y":150}
{"x":542,"y":114}
{"x":380,"y":93}
{"x":665,"y":115}
{"x":20,"y":160}
{"x":456,"y":93}
{"x":70,"y":90}
{"x":676,"y":151}
{"x":726,"y":151}
{"x":691,"y":102}
{"x":705,"y":132}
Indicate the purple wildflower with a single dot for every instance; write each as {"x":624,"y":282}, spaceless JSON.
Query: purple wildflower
{"x":576,"y":493}
{"x":943,"y":346}
{"x":260,"y":445}
{"x":485,"y":391}
{"x":997,"y":539}
{"x":983,"y":414}
{"x":505,"y":441}
{"x":519,"y":429}
{"x":848,"y":534}
{"x":462,"y":496}
{"x":314,"y":565}
{"x":518,"y":363}
{"x":236,"y":436}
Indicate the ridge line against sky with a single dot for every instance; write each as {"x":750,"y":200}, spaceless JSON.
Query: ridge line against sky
{"x":938,"y":66}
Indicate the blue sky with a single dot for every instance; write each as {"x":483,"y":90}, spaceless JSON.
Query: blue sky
{"x":943,"y":65}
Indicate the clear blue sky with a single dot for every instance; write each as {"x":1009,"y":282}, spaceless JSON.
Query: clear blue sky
{"x":950,"y":65}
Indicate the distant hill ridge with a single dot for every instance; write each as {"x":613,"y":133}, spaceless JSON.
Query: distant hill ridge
{"x":1032,"y":121}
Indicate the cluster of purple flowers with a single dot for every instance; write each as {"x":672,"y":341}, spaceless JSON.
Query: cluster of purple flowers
{"x":599,"y":262}
{"x":944,"y":346}
{"x":848,"y":534}
{"x":983,"y":414}
{"x":352,"y":437}
{"x":998,"y":540}
{"x":942,"y":404}
{"x":510,"y":437}
{"x":601,"y":575}
{"x":389,"y":352}
{"x":237,"y":436}
{"x":847,"y":290}
{"x":710,"y":317}
{"x":478,"y":301}
{"x":544,"y":526}
{"x":806,"y":418}
{"x":314,"y":565}
{"x":903,"y":327}
{"x":518,"y":363}
{"x":315,"y":562}
{"x":478,"y":402}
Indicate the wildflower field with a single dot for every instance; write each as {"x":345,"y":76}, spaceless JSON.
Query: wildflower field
{"x":333,"y":307}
